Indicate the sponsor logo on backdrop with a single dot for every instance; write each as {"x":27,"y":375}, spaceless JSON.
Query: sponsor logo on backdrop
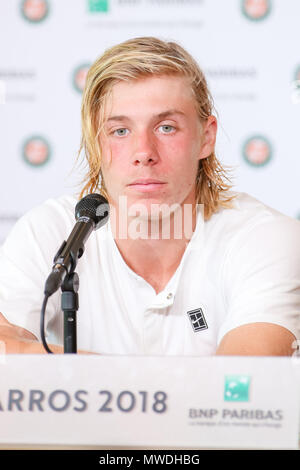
{"x":98,"y":13}
{"x":257,"y":151}
{"x":232,"y":72}
{"x":236,"y":388}
{"x":103,"y":6}
{"x":36,"y":151}
{"x":10,"y":89}
{"x":79,"y":77}
{"x":35,"y":11}
{"x":98,"y":6}
{"x":256,"y":10}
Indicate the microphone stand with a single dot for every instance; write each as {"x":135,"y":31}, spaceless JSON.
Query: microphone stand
{"x":70,"y":300}
{"x":70,"y":305}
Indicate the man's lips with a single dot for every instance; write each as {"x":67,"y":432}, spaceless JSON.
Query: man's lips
{"x":146,"y":184}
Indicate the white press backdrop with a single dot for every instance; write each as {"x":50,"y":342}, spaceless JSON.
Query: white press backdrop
{"x":248,"y":49}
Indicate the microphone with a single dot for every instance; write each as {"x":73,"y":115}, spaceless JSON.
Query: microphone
{"x":91,"y":213}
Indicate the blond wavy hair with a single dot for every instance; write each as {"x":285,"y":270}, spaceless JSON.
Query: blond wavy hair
{"x":130,"y":60}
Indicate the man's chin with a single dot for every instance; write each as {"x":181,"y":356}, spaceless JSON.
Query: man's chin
{"x":146,"y":208}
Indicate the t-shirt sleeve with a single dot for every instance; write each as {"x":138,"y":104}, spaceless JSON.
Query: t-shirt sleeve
{"x":26,"y":259}
{"x":261,"y":276}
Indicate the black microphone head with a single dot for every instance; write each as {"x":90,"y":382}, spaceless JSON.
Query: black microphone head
{"x":95,"y":207}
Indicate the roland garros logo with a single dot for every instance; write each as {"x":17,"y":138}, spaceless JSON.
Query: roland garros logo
{"x":79,"y":77}
{"x":256,"y":10}
{"x":257,"y":151}
{"x":36,"y":151}
{"x":35,"y":11}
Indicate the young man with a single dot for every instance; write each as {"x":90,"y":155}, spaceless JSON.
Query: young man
{"x":228,"y":283}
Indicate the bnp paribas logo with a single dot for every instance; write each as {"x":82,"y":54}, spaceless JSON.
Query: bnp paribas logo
{"x":256,"y":10}
{"x":98,"y":6}
{"x":36,"y":151}
{"x":34,"y":11}
{"x":257,"y":151}
{"x":236,"y":388}
{"x":79,"y":77}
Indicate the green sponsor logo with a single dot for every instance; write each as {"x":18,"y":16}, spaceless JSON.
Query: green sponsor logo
{"x":257,"y":151}
{"x":36,"y":151}
{"x":34,"y":11}
{"x":256,"y":10}
{"x":236,"y":388}
{"x":98,"y":6}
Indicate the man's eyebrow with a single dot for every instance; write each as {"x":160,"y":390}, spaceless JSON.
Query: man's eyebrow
{"x":164,"y":114}
{"x":170,"y":112}
{"x":118,"y":118}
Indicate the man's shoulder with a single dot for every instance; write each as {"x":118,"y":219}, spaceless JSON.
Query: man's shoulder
{"x":247,"y":212}
{"x":250,"y":218}
{"x":62,"y":206}
{"x":52,"y":218}
{"x":52,"y":210}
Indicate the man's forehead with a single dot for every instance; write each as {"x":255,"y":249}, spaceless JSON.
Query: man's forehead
{"x":157,"y":82}
{"x":161,"y":115}
{"x":160,"y":96}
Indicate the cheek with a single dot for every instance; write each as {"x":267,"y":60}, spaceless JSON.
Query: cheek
{"x":180,"y":153}
{"x":114,"y":169}
{"x":112,"y":156}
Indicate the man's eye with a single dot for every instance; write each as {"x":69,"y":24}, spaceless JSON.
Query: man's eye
{"x":120,"y":132}
{"x":166,"y":129}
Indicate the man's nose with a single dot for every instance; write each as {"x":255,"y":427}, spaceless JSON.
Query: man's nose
{"x":145,"y":152}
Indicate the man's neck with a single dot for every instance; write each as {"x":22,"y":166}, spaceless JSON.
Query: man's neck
{"x":153,"y":249}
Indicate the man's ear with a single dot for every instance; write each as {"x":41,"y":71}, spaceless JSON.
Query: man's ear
{"x":209,"y":134}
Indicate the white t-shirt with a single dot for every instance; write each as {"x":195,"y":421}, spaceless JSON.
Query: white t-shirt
{"x":241,"y":266}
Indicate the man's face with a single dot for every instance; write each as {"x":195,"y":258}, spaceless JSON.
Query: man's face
{"x":153,"y":142}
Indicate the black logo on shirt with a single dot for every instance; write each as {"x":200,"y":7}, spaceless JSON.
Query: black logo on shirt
{"x":197,"y":319}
